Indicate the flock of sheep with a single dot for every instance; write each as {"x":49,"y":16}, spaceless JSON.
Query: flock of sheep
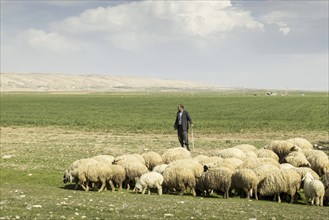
{"x":282,"y":168}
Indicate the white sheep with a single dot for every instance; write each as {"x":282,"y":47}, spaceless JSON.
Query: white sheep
{"x":152,"y":159}
{"x":261,"y":153}
{"x":319,"y":161}
{"x":191,"y":164}
{"x":282,"y":148}
{"x":148,"y":181}
{"x":313,"y":189}
{"x":246,"y":180}
{"x":177,"y":153}
{"x":160,"y":168}
{"x":229,"y":153}
{"x":297,"y":159}
{"x":301,"y":142}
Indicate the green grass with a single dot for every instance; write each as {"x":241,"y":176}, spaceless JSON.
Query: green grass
{"x":155,"y":113}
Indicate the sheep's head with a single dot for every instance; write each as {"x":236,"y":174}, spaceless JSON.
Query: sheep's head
{"x":308,"y":177}
{"x":67,"y":177}
{"x":295,"y":148}
{"x":205,"y":168}
{"x":138,"y":187}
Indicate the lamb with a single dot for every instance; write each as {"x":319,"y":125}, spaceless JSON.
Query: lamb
{"x":282,"y":148}
{"x":152,"y":159}
{"x":246,"y":180}
{"x":179,"y":178}
{"x":313,"y":189}
{"x":281,"y":181}
{"x":149,"y":180}
{"x":218,"y":179}
{"x":297,"y":159}
{"x":160,"y":168}
{"x":173,"y":154}
{"x":301,"y":142}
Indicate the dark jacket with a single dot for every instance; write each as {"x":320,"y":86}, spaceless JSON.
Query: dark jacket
{"x":186,"y":120}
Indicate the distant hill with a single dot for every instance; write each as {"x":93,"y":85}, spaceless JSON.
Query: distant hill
{"x":41,"y":82}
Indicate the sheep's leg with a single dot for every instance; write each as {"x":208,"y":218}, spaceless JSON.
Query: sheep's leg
{"x":159,"y":187}
{"x":248,"y":193}
{"x":321,"y":200}
{"x":120,"y":186}
{"x":103,"y":186}
{"x":256,"y":196}
{"x":112,"y":185}
{"x":312,"y":201}
{"x":279,"y":199}
{"x":144,"y":190}
{"x":317,"y":202}
{"x":193,"y":191}
{"x":226,"y":194}
{"x":182,"y":189}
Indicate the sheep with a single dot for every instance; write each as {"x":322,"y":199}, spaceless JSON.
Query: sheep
{"x":191,"y":164}
{"x":152,"y":159}
{"x":261,"y":153}
{"x":303,"y":170}
{"x":246,"y":180}
{"x":285,"y":166}
{"x":210,"y":160}
{"x":149,"y":180}
{"x":118,"y":175}
{"x":229,"y":153}
{"x":98,"y":172}
{"x":282,"y":148}
{"x":297,"y":159}
{"x":218,"y":179}
{"x":230,"y":163}
{"x":264,"y":169}
{"x":325,"y":180}
{"x":319,"y":162}
{"x":134,"y":170}
{"x":107,"y":159}
{"x":301,"y":142}
{"x":246,"y":147}
{"x":160,"y":168}
{"x":255,"y":162}
{"x":173,"y":154}
{"x":313,"y":189}
{"x":76,"y":168}
{"x":179,"y":178}
{"x":200,"y":158}
{"x":127,"y":158}
{"x":281,"y":181}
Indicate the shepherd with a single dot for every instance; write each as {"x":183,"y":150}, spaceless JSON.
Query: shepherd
{"x":182,"y":123}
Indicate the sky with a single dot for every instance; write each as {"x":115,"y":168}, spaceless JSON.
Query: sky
{"x":265,"y":44}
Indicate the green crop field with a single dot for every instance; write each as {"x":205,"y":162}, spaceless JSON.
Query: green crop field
{"x":42,"y":134}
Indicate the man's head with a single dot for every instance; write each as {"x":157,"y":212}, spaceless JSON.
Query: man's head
{"x":180,"y":107}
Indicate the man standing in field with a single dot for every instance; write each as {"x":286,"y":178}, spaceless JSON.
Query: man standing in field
{"x":182,"y":123}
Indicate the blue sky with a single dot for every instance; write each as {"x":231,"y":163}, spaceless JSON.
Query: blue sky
{"x":253,"y":44}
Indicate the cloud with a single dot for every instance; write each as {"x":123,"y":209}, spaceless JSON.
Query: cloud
{"x":42,"y":40}
{"x":277,"y":18}
{"x":135,"y":24}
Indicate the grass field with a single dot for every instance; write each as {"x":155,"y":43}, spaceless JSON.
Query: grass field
{"x":41,"y":134}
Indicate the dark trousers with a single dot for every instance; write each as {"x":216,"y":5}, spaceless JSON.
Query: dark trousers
{"x":183,"y":137}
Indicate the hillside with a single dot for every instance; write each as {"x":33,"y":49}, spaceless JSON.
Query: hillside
{"x":40,"y":82}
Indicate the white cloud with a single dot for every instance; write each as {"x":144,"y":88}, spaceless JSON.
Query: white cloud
{"x":278,"y":18}
{"x":132,"y":25}
{"x":43,"y":40}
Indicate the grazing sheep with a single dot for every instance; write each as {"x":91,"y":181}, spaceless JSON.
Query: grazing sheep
{"x":303,"y":170}
{"x":98,"y":172}
{"x":251,"y":163}
{"x":148,"y":181}
{"x":267,"y":154}
{"x":200,"y":158}
{"x":246,"y":147}
{"x":76,"y":168}
{"x":286,"y":166}
{"x":263,"y":170}
{"x":107,"y":159}
{"x":218,"y":179}
{"x":127,"y":158}
{"x":246,"y":180}
{"x":229,"y":153}
{"x":133,"y":171}
{"x":281,"y":181}
{"x":191,"y":164}
{"x":160,"y":168}
{"x":152,"y":159}
{"x":325,"y":180}
{"x":319,"y":162}
{"x":179,"y":178}
{"x":313,"y":189}
{"x":118,"y":175}
{"x":282,"y":148}
{"x":301,"y":142}
{"x":297,"y":159}
{"x":173,"y":154}
{"x":211,"y":160}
